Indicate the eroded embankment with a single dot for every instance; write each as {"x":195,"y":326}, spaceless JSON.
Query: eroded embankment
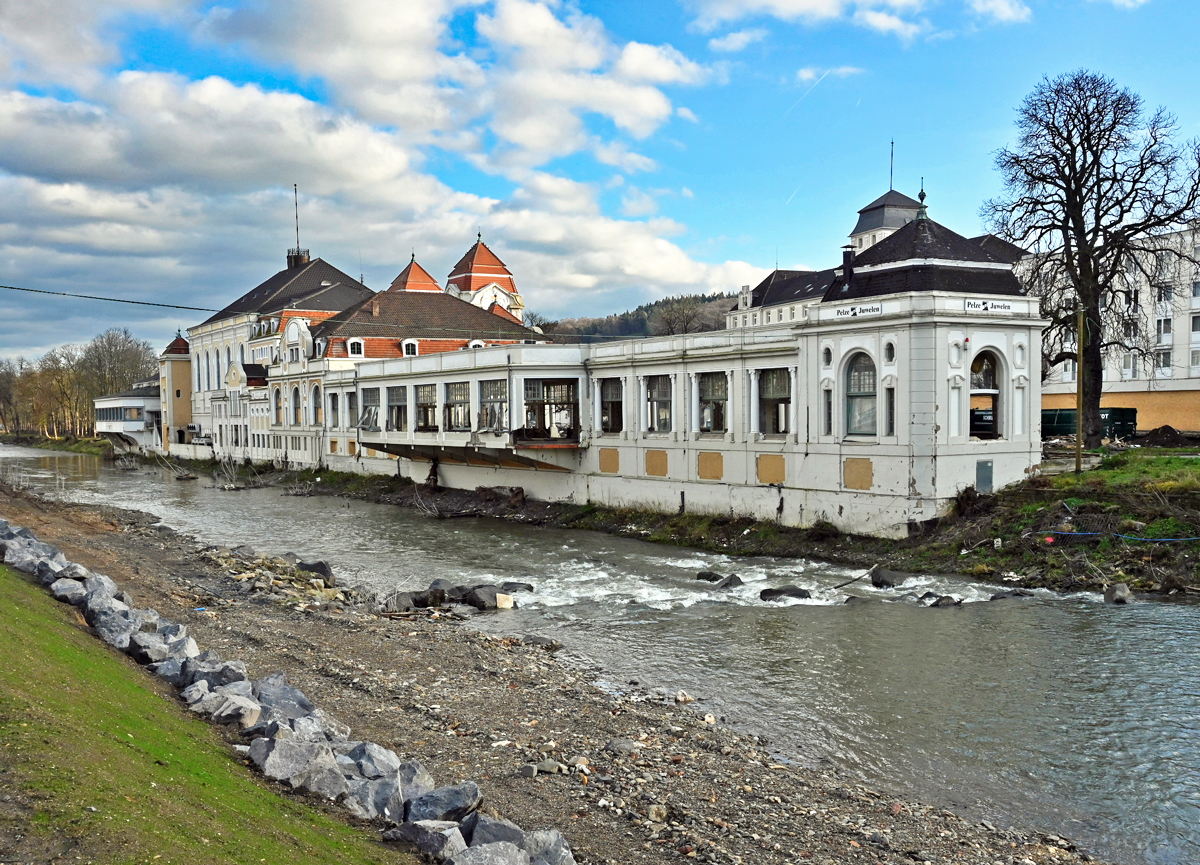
{"x":665,"y":782}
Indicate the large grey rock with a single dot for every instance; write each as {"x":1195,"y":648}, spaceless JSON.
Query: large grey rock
{"x":1118,"y":593}
{"x":236,"y":689}
{"x":148,"y":648}
{"x":322,"y":776}
{"x":499,"y":853}
{"x":195,"y":691}
{"x":170,"y":670}
{"x":784,"y":592}
{"x":385,"y":797}
{"x":548,"y":847}
{"x":482,"y":597}
{"x":320,"y":726}
{"x":274,"y":692}
{"x":488,"y":830}
{"x":730,"y":582}
{"x":98,"y":584}
{"x":947,"y":601}
{"x":216,"y":673}
{"x":237,"y":711}
{"x":68,"y":591}
{"x":171,"y":631}
{"x":74,"y":571}
{"x":320,"y":568}
{"x":47,"y":572}
{"x":208,"y":704}
{"x":446,"y":803}
{"x":374,"y":761}
{"x":26,"y":553}
{"x":415,"y":780}
{"x":116,"y":626}
{"x":294,"y":761}
{"x":438,"y":839}
{"x":182,"y":649}
{"x":882,"y":578}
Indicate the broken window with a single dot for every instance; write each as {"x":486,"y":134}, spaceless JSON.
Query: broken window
{"x":426,"y":408}
{"x":458,"y":406}
{"x":774,"y":400}
{"x":493,"y":405}
{"x":551,"y":408}
{"x":658,"y":403}
{"x":714,"y":396}
{"x":397,"y":409}
{"x":369,"y":419}
{"x":612,"y":419}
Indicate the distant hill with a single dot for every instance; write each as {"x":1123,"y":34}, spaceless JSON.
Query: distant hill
{"x":691,"y":313}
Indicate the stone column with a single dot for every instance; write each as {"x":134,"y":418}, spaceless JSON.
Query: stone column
{"x":755,"y":425}
{"x":694,"y":380}
{"x":794,"y":404}
{"x":674,"y":405}
{"x":640,"y":410}
{"x":597,"y":408}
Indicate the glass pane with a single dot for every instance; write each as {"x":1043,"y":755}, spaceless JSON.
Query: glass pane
{"x":458,"y":391}
{"x":397,"y":395}
{"x":713,"y":385}
{"x":658,"y":387}
{"x":861,"y":375}
{"x":860,"y":418}
{"x":983,"y":372}
{"x":370,"y":396}
{"x":775,"y":384}
{"x":610,"y":389}
{"x":426,"y":395}
{"x":493,"y":391}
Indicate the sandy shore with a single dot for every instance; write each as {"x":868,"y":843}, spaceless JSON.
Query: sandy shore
{"x":475,"y":707}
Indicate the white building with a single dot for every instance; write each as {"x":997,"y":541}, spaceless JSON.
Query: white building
{"x":132,"y":419}
{"x":868,"y":395}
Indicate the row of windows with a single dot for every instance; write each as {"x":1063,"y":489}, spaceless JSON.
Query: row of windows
{"x":119,"y":414}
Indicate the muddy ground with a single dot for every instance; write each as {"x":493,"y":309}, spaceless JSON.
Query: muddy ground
{"x":470,"y":706}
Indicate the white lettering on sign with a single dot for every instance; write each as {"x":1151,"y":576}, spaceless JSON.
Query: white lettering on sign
{"x":859,"y":310}
{"x":987,"y":305}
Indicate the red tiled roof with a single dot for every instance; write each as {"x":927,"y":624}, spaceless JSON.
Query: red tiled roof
{"x":478,"y":268}
{"x":178,"y":345}
{"x":421,"y":315}
{"x":414,"y":278}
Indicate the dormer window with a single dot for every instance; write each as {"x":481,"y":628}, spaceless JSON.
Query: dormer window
{"x":476,"y":343}
{"x":409,"y":347}
{"x":354,"y":347}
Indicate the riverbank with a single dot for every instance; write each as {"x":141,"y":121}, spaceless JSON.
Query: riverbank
{"x":664,"y":784}
{"x":100,"y":762}
{"x":1135,"y":519}
{"x":97,"y":447}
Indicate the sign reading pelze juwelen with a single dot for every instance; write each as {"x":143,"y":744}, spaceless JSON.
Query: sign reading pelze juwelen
{"x":858,"y":310}
{"x":971,"y":305}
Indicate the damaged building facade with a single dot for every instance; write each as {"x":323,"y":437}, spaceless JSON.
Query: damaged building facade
{"x":868,"y":394}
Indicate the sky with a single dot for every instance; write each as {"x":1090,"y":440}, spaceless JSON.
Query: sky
{"x":610,"y":152}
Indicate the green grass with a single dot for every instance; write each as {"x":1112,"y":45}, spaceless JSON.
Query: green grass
{"x":97,"y":447}
{"x":81,"y":726}
{"x":1143,"y":470}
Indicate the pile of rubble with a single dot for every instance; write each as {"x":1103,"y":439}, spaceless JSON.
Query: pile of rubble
{"x":289,"y":738}
{"x":286,"y":577}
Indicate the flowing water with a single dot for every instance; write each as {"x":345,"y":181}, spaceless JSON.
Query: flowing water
{"x":1057,"y":713}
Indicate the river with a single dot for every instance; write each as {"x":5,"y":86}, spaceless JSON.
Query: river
{"x":1055,"y":713}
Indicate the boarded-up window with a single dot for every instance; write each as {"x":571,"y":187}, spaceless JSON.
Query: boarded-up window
{"x":610,"y":461}
{"x":710,"y":465}
{"x":772,"y":469}
{"x":656,"y":464}
{"x":858,"y":473}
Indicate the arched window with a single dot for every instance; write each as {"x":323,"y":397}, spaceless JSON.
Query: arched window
{"x":860,"y":396}
{"x":199,"y":383}
{"x":333,"y":411}
{"x":316,"y":404}
{"x":278,"y":408}
{"x":410,"y":348}
{"x":985,"y":396}
{"x":242,"y":353}
{"x":228,"y":359}
{"x":217,"y":365}
{"x":207,"y":372}
{"x":296,"y":416}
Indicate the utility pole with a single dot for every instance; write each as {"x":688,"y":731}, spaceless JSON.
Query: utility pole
{"x":1079,"y":388}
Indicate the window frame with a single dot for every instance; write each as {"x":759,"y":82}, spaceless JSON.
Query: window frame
{"x":659,"y":407}
{"x":713,"y":388}
{"x":456,"y":405}
{"x":368,"y":417}
{"x":426,"y":419}
{"x":774,"y":409}
{"x":493,"y":405}
{"x":397,"y":408}
{"x":860,"y":403}
{"x":612,"y":411}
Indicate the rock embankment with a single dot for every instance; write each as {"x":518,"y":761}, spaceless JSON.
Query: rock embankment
{"x":291,"y":740}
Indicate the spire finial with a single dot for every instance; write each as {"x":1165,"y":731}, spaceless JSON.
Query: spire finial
{"x":923,"y":211}
{"x":479,"y":236}
{"x":414,"y":255}
{"x":892,"y":168}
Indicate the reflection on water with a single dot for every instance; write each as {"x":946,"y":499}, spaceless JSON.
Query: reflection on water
{"x":1057,"y":713}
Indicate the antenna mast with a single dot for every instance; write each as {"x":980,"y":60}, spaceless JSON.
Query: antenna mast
{"x":296,"y":202}
{"x":892,"y":170}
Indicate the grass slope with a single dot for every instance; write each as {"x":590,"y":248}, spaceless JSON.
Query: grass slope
{"x":81,"y":727}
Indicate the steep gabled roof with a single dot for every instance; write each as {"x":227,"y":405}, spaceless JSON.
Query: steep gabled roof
{"x":480,"y":267}
{"x":414,"y":278}
{"x":922,"y":239}
{"x":178,"y":345}
{"x":789,"y":286}
{"x":891,"y":210}
{"x":315,"y":285}
{"x":999,"y":248}
{"x":420,"y":315}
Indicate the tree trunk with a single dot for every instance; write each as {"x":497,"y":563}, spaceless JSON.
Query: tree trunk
{"x":1091,"y":368}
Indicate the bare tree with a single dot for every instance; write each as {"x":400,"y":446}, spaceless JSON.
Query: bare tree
{"x":536,"y":319}
{"x":1094,"y":189}
{"x":677,"y":316}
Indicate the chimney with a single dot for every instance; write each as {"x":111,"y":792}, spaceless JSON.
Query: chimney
{"x":847,"y":264}
{"x":375,"y":309}
{"x":297,"y":257}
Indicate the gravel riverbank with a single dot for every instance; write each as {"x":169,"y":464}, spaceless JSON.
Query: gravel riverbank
{"x":664,"y":783}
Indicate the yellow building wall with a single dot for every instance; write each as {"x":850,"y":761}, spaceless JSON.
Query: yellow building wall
{"x":1177,"y":408}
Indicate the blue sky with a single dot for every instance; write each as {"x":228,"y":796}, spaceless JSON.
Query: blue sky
{"x":611,"y":152}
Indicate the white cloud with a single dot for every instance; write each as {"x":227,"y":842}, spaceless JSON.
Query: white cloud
{"x":686,"y":114}
{"x":737,"y":40}
{"x":886,"y":22}
{"x":1004,"y":11}
{"x":809,"y":74}
{"x":150,"y":185}
{"x":1129,"y":4}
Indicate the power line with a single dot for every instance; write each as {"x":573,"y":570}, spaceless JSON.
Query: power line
{"x":109,"y":299}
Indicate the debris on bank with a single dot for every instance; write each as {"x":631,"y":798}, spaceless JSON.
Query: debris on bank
{"x":291,"y":740}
